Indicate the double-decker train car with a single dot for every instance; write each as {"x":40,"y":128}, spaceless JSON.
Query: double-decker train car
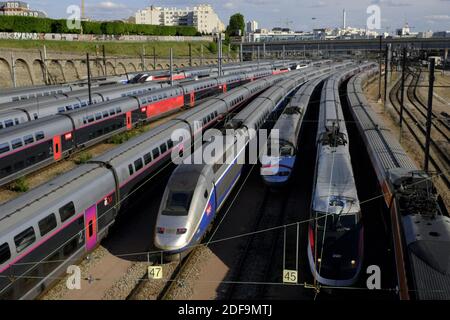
{"x":34,"y":144}
{"x":54,"y":225}
{"x":420,"y":223}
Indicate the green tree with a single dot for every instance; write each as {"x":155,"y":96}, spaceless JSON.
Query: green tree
{"x":236,"y":23}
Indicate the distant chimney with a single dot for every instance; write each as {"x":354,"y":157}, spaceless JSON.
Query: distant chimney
{"x":344,"y":18}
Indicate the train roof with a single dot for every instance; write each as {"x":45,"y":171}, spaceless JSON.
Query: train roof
{"x":335,"y":179}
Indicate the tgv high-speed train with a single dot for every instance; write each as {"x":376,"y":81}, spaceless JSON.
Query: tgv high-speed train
{"x":34,"y":144}
{"x":15,"y":113}
{"x":419,"y":218}
{"x":196,"y":192}
{"x":52,"y":226}
{"x":276,"y":167}
{"x":335,"y":241}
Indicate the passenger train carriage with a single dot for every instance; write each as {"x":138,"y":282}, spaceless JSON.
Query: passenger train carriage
{"x":276,"y":167}
{"x":196,"y":192}
{"x":419,"y":220}
{"x":55,"y":224}
{"x":34,"y":144}
{"x":335,"y":234}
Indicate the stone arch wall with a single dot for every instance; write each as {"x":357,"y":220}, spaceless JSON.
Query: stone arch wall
{"x":110,"y":70}
{"x":56,"y":71}
{"x":5,"y":70}
{"x":70,"y":71}
{"x":38,"y":70}
{"x":23,"y":73}
{"x":96,"y":69}
{"x":159,"y":67}
{"x":120,"y":68}
{"x":150,"y":66}
{"x":131,"y":67}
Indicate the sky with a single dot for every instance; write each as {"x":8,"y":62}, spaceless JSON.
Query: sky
{"x":295,"y":14}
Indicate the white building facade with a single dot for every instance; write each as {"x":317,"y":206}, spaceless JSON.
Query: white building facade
{"x":252,"y":26}
{"x":201,"y":16}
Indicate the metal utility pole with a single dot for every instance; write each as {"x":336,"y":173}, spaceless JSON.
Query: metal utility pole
{"x":143,"y":57}
{"x":429,"y":114}
{"x":264,"y":50}
{"x":219,"y":53}
{"x":201,"y":54}
{"x":241,"y":55}
{"x":258,"y":57}
{"x":284,"y":51}
{"x":386,"y":71}
{"x":379,"y":72}
{"x":88,"y":64}
{"x":154,"y":58}
{"x":104,"y":58}
{"x":402,"y":98}
{"x":190,"y":55}
{"x":171,"y":66}
{"x":13,"y":67}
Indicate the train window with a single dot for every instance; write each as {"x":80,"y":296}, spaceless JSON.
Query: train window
{"x":28,"y":139}
{"x":14,"y":99}
{"x":61,"y":109}
{"x":105,"y":114}
{"x":147,"y":158}
{"x":39,"y":135}
{"x":35,"y":116}
{"x":118,"y":110}
{"x":155,"y":153}
{"x":16,"y":121}
{"x":23,"y":97}
{"x":90,"y":118}
{"x":112,"y":112}
{"x":24,"y":239}
{"x":4,"y":147}
{"x":143,"y":101}
{"x":1,"y":125}
{"x":170,"y":144}
{"x":5,"y":253}
{"x":83,"y":104}
{"x":17,"y":143}
{"x":98,"y":116}
{"x":130,"y":169}
{"x":178,"y":204}
{"x":163,"y":148}
{"x":67,"y":211}
{"x":138,"y":164}
{"x":160,"y":96}
{"x":47,"y":224}
{"x":9,"y":123}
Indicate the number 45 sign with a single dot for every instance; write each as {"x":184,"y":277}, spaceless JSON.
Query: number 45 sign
{"x":290,"y":276}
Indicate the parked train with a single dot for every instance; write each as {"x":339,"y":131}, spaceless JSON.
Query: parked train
{"x":335,"y":233}
{"x":52,"y":226}
{"x":196,"y":192}
{"x":419,"y":220}
{"x":277,"y":167}
{"x":34,"y":144}
{"x":12,"y":114}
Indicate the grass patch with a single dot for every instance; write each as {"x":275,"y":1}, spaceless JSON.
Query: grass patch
{"x":134,"y":49}
{"x":83,"y":157}
{"x":20,"y":185}
{"x":125,"y":136}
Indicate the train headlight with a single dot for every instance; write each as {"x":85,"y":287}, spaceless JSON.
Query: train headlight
{"x":144,"y":109}
{"x":160,"y":230}
{"x":181,"y":230}
{"x":353,"y":262}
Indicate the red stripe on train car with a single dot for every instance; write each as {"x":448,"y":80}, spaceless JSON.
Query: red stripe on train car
{"x":163,"y":106}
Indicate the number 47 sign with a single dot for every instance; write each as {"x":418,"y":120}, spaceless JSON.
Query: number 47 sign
{"x":155,"y":272}
{"x":290,"y":276}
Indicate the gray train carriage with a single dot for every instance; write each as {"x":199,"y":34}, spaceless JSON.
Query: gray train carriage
{"x":335,"y":241}
{"x":84,"y":202}
{"x":416,"y":210}
{"x":276,"y":171}
{"x":196,"y":192}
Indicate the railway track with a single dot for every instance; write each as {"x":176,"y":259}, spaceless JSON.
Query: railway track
{"x":438,"y":157}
